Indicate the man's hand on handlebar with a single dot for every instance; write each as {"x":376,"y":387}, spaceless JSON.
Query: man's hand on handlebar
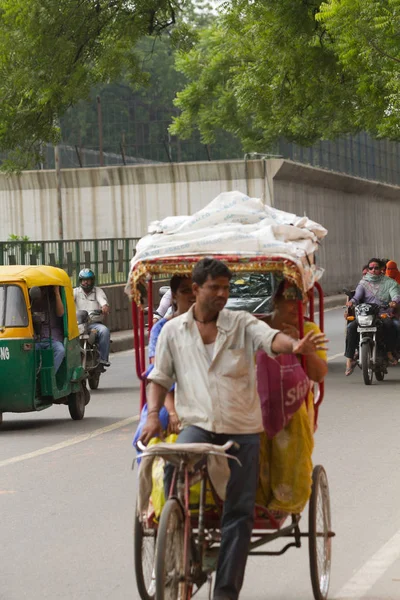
{"x":152,"y":428}
{"x":392,"y":304}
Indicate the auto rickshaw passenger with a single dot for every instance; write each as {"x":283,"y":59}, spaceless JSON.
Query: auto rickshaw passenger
{"x":52,"y":331}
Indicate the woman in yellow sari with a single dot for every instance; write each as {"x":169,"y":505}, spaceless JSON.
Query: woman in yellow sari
{"x":285,"y":461}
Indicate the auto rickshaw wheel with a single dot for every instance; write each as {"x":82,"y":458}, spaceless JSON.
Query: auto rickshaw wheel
{"x":76,"y":405}
{"x":1,"y":418}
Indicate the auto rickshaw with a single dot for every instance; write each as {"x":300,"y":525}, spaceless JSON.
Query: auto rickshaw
{"x":27,"y":374}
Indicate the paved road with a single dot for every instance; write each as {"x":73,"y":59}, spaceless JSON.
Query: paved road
{"x":67,"y":495}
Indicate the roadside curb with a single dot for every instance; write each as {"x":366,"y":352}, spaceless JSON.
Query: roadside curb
{"x":123,"y":340}
{"x":336,"y":301}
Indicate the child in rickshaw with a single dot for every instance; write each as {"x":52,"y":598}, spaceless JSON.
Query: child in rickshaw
{"x":286,"y":394}
{"x":182,"y":300}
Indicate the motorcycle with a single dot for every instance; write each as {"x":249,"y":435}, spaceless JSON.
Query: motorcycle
{"x":372,"y":354}
{"x":89,"y":348}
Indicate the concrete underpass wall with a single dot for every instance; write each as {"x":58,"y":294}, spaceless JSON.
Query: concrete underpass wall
{"x":116,"y":201}
{"x":362,"y":217}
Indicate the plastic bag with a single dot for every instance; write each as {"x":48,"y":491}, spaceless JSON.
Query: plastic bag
{"x":286,"y":466}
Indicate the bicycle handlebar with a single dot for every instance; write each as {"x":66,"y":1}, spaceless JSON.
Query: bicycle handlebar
{"x":227,"y":446}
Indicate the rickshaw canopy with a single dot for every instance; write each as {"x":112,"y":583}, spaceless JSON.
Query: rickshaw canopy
{"x":43,"y":275}
{"x":241,"y":231}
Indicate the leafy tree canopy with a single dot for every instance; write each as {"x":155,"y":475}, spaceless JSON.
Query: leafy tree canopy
{"x":298,"y":69}
{"x":52,"y":52}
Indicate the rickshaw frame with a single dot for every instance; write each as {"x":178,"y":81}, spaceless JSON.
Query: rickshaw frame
{"x":264,"y":520}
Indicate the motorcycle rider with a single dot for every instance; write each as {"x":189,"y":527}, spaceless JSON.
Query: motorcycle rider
{"x":374,"y":288}
{"x":91,"y":298}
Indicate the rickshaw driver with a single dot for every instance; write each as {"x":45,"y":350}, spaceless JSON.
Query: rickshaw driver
{"x":209,"y":353}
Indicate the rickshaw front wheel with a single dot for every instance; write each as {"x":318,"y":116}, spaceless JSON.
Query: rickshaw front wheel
{"x":170,"y":564}
{"x":76,"y":405}
{"x":319,"y":534}
{"x":144,"y":545}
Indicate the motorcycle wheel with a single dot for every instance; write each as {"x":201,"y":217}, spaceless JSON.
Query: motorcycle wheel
{"x":380,"y":375}
{"x":76,"y":405}
{"x":94,"y":380}
{"x":366,"y":366}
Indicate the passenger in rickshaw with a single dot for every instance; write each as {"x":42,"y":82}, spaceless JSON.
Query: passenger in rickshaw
{"x":209,"y":353}
{"x":182,"y":300}
{"x":52,"y":329}
{"x":286,"y":447}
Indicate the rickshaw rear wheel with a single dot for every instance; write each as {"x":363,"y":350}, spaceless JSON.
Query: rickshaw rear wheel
{"x":76,"y":405}
{"x":170,"y":554}
{"x":144,"y":551}
{"x":319,"y":530}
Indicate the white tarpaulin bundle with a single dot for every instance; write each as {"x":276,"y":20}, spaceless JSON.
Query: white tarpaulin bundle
{"x":233,"y":223}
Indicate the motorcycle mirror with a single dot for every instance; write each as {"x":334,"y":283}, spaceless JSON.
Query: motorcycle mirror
{"x":82,"y":316}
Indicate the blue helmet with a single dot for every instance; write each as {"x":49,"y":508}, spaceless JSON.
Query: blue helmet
{"x":86,"y":279}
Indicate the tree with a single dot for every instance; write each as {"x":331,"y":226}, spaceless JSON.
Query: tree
{"x":366,"y":34}
{"x":141,"y":115}
{"x":52,"y":53}
{"x":297,"y":69}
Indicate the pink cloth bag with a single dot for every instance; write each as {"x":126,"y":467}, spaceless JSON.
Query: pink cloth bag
{"x":282,"y":386}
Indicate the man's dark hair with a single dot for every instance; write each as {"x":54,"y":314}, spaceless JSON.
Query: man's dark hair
{"x":176,"y":281}
{"x":209,"y":267}
{"x":377,"y":260}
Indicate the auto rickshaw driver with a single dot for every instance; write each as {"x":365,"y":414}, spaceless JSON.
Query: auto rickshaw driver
{"x":52,"y":329}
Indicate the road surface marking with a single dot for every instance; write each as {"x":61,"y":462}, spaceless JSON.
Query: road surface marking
{"x":366,"y":577}
{"x":71,"y":442}
{"x":333,"y":308}
{"x":335,"y":356}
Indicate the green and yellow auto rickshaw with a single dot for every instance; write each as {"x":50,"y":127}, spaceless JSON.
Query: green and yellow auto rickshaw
{"x":28,"y":378}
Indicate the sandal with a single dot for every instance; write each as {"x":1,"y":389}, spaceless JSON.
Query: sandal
{"x":350,"y":369}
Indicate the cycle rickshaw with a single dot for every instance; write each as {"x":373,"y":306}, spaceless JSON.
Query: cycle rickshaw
{"x":176,"y":554}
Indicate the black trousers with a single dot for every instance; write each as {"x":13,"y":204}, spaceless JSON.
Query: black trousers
{"x":389,"y":332}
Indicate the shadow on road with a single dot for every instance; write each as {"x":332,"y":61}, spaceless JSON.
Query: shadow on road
{"x":65,"y":426}
{"x":113,"y":390}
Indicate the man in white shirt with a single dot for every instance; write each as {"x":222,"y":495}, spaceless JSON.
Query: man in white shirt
{"x":209,"y":352}
{"x":93,"y":299}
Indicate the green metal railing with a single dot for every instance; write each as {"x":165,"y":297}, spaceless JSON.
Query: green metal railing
{"x":109,"y":259}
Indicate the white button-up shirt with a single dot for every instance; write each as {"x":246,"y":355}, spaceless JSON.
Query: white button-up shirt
{"x":221,"y":395}
{"x":95,"y":300}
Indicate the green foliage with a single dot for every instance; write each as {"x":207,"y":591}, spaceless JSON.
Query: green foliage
{"x":138,"y":116}
{"x":367,"y":45}
{"x":301,"y":70}
{"x":21,"y":242}
{"x":52,"y":53}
